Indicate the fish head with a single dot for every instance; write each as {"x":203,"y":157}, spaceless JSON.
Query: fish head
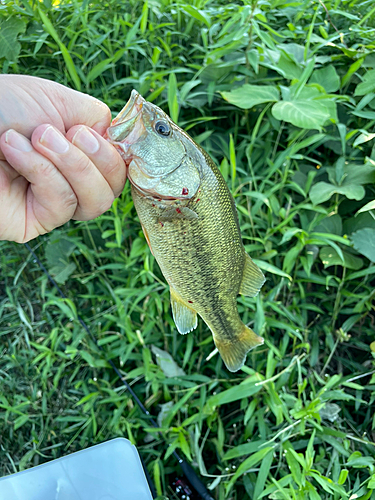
{"x":154,"y":150}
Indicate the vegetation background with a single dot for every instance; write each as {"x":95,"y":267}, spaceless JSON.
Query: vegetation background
{"x":282,"y":95}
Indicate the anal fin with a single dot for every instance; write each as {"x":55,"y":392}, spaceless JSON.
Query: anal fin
{"x":252,"y":280}
{"x":185,"y":317}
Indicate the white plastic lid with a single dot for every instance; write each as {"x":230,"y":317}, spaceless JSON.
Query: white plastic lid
{"x":107,"y":471}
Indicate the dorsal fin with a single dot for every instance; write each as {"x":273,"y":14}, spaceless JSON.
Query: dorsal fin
{"x":252,"y":280}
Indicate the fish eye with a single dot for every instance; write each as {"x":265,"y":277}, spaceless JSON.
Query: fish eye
{"x":162,"y":128}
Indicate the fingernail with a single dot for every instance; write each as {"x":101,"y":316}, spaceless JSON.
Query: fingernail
{"x":86,"y":141}
{"x":18,"y":141}
{"x":53,"y":140}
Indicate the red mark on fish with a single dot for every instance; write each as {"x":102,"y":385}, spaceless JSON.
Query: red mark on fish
{"x":178,"y":210}
{"x":185,"y":191}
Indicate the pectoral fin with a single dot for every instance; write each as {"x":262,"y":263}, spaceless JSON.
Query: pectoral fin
{"x":233,"y":351}
{"x":185,"y":317}
{"x":252,"y":280}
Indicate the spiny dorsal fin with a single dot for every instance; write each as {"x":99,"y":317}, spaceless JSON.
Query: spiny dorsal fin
{"x":252,"y":280}
{"x":185,"y":317}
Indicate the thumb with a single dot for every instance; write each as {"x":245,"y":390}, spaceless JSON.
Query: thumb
{"x":76,"y":108}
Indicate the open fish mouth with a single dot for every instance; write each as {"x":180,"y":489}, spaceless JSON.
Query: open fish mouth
{"x":128,"y":125}
{"x":133,"y":134}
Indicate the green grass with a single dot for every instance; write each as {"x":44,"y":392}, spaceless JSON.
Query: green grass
{"x":297,"y":422}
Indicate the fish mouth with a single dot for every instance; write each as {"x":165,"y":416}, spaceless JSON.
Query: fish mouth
{"x":125,"y":130}
{"x":127,"y":127}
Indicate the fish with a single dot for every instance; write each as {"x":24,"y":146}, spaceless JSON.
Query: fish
{"x":190,"y":222}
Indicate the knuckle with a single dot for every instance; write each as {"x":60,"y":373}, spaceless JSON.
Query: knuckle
{"x":65,"y":207}
{"x":44,"y":169}
{"x":112,"y":168}
{"x":82,"y":165}
{"x":115,"y":172}
{"x":70,"y":201}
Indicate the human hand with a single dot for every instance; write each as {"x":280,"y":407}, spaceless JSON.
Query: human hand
{"x":67,"y":170}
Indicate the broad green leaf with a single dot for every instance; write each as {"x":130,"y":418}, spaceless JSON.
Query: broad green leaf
{"x":369,"y":206}
{"x":63,"y":274}
{"x":288,"y":235}
{"x":356,"y":459}
{"x":364,"y":242}
{"x":308,"y":114}
{"x":9,"y":29}
{"x":20,"y":421}
{"x":294,"y":467}
{"x":343,"y":475}
{"x":247,"y":96}
{"x":157,"y":477}
{"x":235,"y":393}
{"x":289,"y":64}
{"x":263,"y":474}
{"x":331,"y":225}
{"x":176,"y":407}
{"x":327,"y":484}
{"x":362,"y":138}
{"x":98,"y":69}
{"x":270,"y":268}
{"x":327,"y":77}
{"x":243,"y":449}
{"x":291,"y":258}
{"x":57,"y":252}
{"x":359,"y":174}
{"x":304,"y":77}
{"x":144,"y":18}
{"x":131,"y":34}
{"x":65,"y":53}
{"x":278,"y":486}
{"x":322,"y":191}
{"x":368,"y":84}
{"x":93,"y":361}
{"x":330,"y":257}
{"x":199,"y":15}
{"x":352,"y":69}
{"x":362,"y":220}
{"x":168,"y":365}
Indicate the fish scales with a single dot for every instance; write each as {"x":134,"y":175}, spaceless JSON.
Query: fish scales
{"x":208,"y":247}
{"x":190,"y":221}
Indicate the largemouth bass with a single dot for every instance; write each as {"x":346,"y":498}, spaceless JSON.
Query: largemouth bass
{"x":190,"y":222}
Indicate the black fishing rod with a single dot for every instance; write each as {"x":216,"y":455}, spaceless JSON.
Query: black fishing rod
{"x":188,"y":471}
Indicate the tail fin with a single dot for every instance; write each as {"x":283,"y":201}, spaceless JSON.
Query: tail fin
{"x":233,"y":351}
